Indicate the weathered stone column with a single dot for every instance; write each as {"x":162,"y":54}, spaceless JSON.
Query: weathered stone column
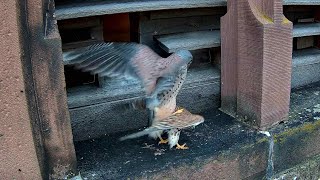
{"x":256,"y":43}
{"x":18,"y":155}
{"x":35,"y":131}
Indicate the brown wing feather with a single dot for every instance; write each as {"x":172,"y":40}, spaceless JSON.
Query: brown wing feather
{"x":180,"y":121}
{"x":119,"y":59}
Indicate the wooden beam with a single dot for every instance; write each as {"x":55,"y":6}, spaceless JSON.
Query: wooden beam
{"x":256,"y":62}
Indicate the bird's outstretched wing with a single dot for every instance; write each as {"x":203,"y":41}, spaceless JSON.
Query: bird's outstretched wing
{"x":115,"y":59}
{"x":119,"y":60}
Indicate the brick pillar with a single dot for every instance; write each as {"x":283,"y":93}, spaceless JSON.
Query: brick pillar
{"x":35,"y":131}
{"x":229,"y":52}
{"x":18,"y":155}
{"x":256,"y":62}
{"x":44,"y":47}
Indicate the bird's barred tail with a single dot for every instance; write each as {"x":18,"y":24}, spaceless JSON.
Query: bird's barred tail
{"x":138,"y":134}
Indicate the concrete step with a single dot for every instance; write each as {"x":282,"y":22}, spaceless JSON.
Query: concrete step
{"x":301,"y":2}
{"x":190,"y":40}
{"x":69,"y":9}
{"x":305,"y":67}
{"x":306,"y":29}
{"x":73,"y":9}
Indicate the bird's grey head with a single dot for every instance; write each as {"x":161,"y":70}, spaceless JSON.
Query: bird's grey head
{"x":185,"y":55}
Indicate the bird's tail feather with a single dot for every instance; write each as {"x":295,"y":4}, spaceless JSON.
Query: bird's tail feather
{"x":138,"y":134}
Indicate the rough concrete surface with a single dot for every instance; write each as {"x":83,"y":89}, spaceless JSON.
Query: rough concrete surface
{"x":216,"y":147}
{"x":308,"y":170}
{"x":220,"y":148}
{"x":17,"y":149}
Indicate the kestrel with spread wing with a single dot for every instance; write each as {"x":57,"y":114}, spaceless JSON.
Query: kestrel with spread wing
{"x":161,"y":78}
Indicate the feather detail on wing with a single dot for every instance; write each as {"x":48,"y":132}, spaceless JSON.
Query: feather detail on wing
{"x":119,"y":60}
{"x":181,"y":120}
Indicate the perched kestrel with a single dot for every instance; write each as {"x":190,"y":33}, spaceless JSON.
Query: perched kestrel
{"x":161,"y":78}
{"x":180,"y":119}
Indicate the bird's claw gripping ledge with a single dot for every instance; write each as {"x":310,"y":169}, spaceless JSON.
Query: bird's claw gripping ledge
{"x":163,"y":141}
{"x":183,"y":147}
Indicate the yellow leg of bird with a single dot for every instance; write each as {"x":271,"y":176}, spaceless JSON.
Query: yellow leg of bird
{"x":183,"y":147}
{"x":178,"y":111}
{"x":163,"y":141}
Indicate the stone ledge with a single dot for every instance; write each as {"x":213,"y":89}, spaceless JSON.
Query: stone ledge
{"x":306,"y":29}
{"x":305,"y":67}
{"x":190,"y":40}
{"x":82,"y":8}
{"x":310,"y":169}
{"x":219,"y":148}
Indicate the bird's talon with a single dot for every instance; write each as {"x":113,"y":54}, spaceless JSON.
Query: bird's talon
{"x":163,"y":141}
{"x":183,"y":147}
